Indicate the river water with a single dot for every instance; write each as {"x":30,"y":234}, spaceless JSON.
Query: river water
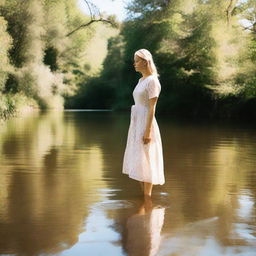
{"x":62,"y":191}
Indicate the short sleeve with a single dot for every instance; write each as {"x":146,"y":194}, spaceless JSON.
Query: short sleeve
{"x":153,"y":88}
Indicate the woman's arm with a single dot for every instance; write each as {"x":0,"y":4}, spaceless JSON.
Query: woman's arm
{"x":151,"y":113}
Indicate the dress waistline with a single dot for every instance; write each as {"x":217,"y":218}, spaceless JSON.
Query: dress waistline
{"x":140,"y":106}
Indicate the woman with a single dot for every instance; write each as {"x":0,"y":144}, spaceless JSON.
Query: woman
{"x":143,"y":157}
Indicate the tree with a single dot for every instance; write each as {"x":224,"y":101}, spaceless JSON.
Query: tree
{"x":95,"y":16}
{"x":5,"y":45}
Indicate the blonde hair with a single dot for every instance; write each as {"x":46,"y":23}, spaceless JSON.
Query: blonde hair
{"x":146,"y":55}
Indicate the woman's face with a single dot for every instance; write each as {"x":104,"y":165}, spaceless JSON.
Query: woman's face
{"x":139,"y":64}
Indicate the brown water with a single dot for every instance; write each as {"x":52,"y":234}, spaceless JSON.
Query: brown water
{"x":62,"y":191}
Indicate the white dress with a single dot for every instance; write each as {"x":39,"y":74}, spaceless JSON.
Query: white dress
{"x":144,"y":162}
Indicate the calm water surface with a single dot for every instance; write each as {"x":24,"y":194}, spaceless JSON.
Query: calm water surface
{"x":62,"y":191}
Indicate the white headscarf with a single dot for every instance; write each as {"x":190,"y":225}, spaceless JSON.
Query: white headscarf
{"x":146,"y":55}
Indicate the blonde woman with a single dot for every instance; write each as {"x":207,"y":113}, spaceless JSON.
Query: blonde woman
{"x":143,"y":157}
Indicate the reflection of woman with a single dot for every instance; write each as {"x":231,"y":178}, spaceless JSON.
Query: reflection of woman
{"x":143,"y":157}
{"x":144,"y":230}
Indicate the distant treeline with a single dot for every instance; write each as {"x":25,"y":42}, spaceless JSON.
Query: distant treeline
{"x":205,"y":51}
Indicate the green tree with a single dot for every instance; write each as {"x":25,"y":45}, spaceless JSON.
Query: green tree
{"x":47,"y":62}
{"x":5,"y":45}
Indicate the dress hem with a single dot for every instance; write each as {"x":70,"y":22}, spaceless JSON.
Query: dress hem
{"x":138,"y":179}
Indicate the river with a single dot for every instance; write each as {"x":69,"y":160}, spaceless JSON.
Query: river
{"x":62,"y":191}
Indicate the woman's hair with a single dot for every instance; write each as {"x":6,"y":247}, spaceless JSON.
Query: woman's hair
{"x":146,"y":55}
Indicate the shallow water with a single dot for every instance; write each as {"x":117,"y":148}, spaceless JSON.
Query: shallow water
{"x":62,"y":191}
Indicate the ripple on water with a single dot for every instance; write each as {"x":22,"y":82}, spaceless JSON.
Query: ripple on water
{"x":108,"y":192}
{"x":115,"y":204}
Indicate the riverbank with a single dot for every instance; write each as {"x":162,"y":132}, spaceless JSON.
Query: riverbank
{"x":16,"y":104}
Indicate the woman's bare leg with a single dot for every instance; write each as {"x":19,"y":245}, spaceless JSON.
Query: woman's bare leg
{"x":142,"y":185}
{"x":148,"y":188}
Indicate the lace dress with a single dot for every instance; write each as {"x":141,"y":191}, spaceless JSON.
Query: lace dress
{"x":144,"y":162}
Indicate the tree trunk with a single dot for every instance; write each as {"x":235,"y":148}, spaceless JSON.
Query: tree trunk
{"x":229,"y":10}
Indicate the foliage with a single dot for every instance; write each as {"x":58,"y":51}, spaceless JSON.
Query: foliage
{"x":7,"y":106}
{"x":5,"y":44}
{"x":45,"y":62}
{"x":204,"y":66}
{"x":205,"y":56}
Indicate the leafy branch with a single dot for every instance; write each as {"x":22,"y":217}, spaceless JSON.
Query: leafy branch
{"x":95,"y":16}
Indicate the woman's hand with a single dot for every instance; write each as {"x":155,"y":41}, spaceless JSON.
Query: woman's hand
{"x":146,"y":137}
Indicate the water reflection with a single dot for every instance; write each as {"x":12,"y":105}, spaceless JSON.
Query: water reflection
{"x":211,"y":227}
{"x":47,"y":180}
{"x":144,"y":229}
{"x":62,"y":191}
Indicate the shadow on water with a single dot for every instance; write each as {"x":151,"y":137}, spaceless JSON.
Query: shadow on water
{"x":62,"y":191}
